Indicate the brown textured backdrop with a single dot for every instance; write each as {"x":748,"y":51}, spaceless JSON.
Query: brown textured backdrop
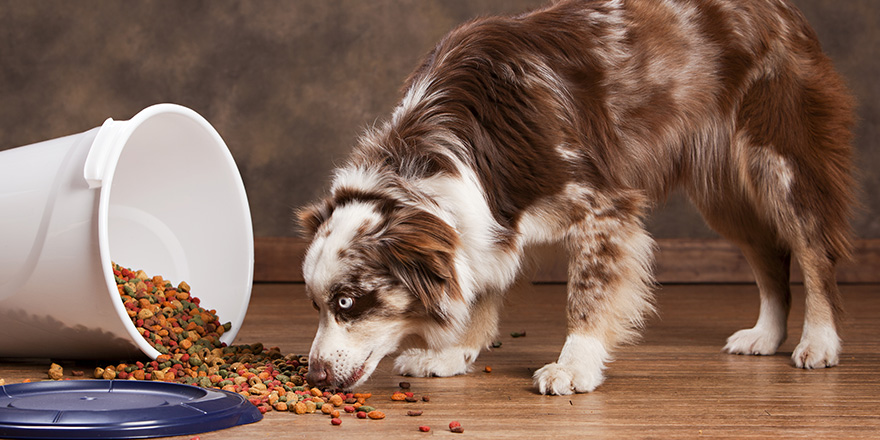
{"x":289,"y":85}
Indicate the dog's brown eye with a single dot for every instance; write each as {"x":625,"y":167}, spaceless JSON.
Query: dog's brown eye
{"x":345,"y":302}
{"x":315,"y":305}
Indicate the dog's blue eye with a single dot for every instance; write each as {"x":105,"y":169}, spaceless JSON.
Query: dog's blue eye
{"x":345,"y":302}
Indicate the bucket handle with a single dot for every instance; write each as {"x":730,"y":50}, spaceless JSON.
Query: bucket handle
{"x":102,"y":152}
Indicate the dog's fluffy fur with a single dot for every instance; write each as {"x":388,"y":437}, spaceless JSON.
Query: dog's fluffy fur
{"x":566,"y":124}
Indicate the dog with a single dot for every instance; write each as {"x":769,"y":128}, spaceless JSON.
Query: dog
{"x":567,"y":124}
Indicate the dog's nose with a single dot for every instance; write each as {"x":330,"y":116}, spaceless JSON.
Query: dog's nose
{"x":319,"y":374}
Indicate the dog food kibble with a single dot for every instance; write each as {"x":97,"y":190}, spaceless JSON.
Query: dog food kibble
{"x":521,"y":334}
{"x":56,"y":372}
{"x":488,"y":369}
{"x":424,"y":428}
{"x":455,"y":427}
{"x":336,"y":421}
{"x":187,"y":336}
{"x":376,"y":415}
{"x":413,"y":413}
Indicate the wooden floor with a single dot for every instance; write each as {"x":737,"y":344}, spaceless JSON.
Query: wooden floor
{"x":676,"y":383}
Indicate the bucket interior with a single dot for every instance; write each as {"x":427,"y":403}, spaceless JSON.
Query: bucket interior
{"x":175,"y":206}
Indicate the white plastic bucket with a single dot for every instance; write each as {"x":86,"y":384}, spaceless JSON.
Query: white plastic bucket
{"x":159,"y":192}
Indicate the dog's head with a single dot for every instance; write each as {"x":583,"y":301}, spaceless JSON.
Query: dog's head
{"x":377,"y":271}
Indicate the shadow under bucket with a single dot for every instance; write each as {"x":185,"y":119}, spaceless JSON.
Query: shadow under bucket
{"x":159,"y":192}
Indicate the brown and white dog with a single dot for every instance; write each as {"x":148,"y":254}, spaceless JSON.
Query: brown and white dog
{"x":566,"y":124}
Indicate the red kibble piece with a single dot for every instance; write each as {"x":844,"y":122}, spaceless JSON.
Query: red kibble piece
{"x":424,"y":428}
{"x":336,"y":421}
{"x":348,"y":409}
{"x":453,"y":425}
{"x":362,"y":415}
{"x":408,"y":394}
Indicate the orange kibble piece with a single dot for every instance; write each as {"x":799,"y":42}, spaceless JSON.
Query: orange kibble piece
{"x":398,"y":396}
{"x":376,"y":415}
{"x":336,"y":400}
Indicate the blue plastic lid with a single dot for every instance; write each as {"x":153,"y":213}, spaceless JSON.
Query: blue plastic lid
{"x":117,"y":409}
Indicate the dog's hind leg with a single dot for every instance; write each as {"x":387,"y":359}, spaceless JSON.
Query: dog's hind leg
{"x":770,"y":260}
{"x":771,"y":265}
{"x":609,"y":291}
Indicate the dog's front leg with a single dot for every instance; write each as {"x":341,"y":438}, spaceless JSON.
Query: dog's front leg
{"x":609,"y":292}
{"x":443,"y":359}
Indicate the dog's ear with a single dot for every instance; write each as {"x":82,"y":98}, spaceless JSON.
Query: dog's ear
{"x":420,"y":248}
{"x":311,"y":217}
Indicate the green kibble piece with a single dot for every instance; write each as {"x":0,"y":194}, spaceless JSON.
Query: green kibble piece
{"x":227,"y":326}
{"x":128,"y":289}
{"x":195,"y":361}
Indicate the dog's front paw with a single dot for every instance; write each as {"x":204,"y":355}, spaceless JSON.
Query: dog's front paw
{"x":819,"y":348}
{"x":421,"y":362}
{"x":756,"y":341}
{"x":562,"y":379}
{"x":578,"y":370}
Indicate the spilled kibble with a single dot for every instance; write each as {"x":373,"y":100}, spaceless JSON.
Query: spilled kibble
{"x":521,"y":334}
{"x":56,"y":372}
{"x":424,"y":428}
{"x":488,"y":369}
{"x":455,"y":427}
{"x":187,"y":336}
{"x":414,"y":413}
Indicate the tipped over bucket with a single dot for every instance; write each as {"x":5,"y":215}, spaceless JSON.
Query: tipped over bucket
{"x":159,"y":192}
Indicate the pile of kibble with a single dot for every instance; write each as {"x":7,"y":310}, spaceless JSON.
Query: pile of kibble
{"x":188,"y":338}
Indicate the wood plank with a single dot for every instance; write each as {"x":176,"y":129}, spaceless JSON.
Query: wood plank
{"x":678,"y":260}
{"x":673,"y":384}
